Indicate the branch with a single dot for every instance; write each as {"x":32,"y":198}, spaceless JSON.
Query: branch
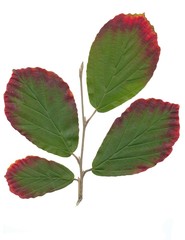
{"x":77,"y":158}
{"x":88,"y":170}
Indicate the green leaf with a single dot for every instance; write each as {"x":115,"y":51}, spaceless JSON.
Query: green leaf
{"x":40,"y":105}
{"x":34,"y":176}
{"x":139,"y":139}
{"x":121,"y":61}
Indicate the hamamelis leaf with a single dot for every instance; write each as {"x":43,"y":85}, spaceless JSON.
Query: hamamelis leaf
{"x":121,"y":61}
{"x":34,"y":176}
{"x":139,"y":139}
{"x":40,"y":105}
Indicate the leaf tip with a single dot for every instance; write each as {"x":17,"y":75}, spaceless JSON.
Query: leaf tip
{"x":145,"y":31}
{"x":11,"y":173}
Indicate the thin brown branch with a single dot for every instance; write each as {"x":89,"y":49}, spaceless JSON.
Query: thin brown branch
{"x":88,"y":170}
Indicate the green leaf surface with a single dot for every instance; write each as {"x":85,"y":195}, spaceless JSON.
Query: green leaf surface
{"x":40,"y":105}
{"x":121,"y":61}
{"x":34,"y":176}
{"x":139,"y":139}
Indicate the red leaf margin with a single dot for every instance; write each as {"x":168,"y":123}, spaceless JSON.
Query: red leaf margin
{"x":17,"y":167}
{"x":174,"y":126}
{"x":125,"y":22}
{"x":51,"y":78}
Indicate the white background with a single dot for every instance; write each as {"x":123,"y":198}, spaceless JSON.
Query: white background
{"x":57,"y":35}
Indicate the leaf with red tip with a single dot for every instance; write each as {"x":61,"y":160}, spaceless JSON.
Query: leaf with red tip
{"x":121,"y":61}
{"x":139,"y":139}
{"x":34,"y":176}
{"x":40,"y":105}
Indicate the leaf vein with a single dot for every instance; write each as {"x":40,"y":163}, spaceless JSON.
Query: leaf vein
{"x":48,"y":116}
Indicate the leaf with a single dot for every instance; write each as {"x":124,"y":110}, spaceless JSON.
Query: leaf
{"x":121,"y":61}
{"x":40,"y":105}
{"x":139,"y":139}
{"x":34,"y":176}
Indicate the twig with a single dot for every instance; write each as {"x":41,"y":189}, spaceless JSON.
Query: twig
{"x":77,"y":158}
{"x":88,"y":170}
{"x":84,"y":125}
{"x":90,"y":117}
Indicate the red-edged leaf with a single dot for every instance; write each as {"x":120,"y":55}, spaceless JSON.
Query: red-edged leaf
{"x":139,"y":139}
{"x":34,"y":176}
{"x":40,"y":105}
{"x":121,"y":61}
